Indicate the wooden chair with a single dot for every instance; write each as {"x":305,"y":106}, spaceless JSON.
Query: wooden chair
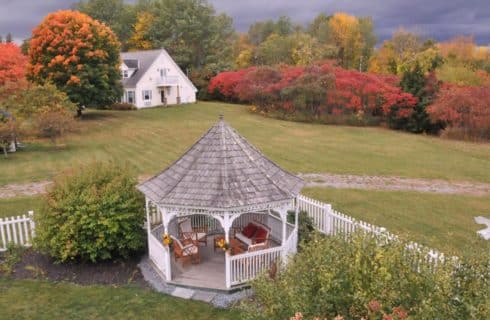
{"x":187,"y":251}
{"x":187,"y":233}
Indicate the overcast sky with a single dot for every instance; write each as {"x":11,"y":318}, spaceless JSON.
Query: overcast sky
{"x":440,"y":19}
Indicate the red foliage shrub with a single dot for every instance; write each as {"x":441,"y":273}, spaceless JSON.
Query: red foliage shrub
{"x":463,"y":108}
{"x":318,"y":90}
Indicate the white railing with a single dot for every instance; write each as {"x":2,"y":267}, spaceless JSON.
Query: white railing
{"x":275,"y":224}
{"x":158,"y":253}
{"x":291,"y":245}
{"x":17,"y":230}
{"x":155,"y":214}
{"x":244,"y":267}
{"x":332,"y":222}
{"x":167,"y":80}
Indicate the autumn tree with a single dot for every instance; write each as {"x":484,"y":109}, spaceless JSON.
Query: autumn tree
{"x":259,"y":31}
{"x":141,"y":39}
{"x":53,"y":122}
{"x":79,"y":55}
{"x":12,"y":64}
{"x":119,"y":16}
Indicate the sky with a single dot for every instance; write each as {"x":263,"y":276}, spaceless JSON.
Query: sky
{"x":439,"y":19}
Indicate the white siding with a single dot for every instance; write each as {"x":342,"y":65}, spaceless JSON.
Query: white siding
{"x":150,"y":80}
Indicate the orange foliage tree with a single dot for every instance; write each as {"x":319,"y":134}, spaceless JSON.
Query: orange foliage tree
{"x":12,"y":69}
{"x":79,"y":55}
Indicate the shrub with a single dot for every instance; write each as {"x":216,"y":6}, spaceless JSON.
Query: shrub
{"x":305,"y":226}
{"x":52,"y":123}
{"x":92,"y":213}
{"x":341,"y":275}
{"x":122,"y":106}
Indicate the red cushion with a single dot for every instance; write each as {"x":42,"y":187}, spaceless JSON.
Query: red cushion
{"x":260,"y":235}
{"x":249,"y":230}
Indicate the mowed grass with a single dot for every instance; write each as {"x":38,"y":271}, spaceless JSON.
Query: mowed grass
{"x":444,"y":222}
{"x":152,"y":139}
{"x":18,"y":206}
{"x":46,"y":300}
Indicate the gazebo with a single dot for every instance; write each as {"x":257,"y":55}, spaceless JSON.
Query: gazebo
{"x":218,"y":191}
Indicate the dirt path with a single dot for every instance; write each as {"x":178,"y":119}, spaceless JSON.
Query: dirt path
{"x":395,"y":183}
{"x":340,"y":181}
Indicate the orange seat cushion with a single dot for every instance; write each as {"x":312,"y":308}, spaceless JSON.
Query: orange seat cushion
{"x":249,"y":230}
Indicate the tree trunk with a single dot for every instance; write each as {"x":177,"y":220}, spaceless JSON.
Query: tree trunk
{"x":5,"y":151}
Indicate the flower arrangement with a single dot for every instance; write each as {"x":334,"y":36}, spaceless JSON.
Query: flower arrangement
{"x":167,"y":240}
{"x":223,"y":245}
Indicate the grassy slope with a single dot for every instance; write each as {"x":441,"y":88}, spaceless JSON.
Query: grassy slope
{"x":153,"y":139}
{"x":444,"y":222}
{"x":44,"y":300}
{"x":18,"y":206}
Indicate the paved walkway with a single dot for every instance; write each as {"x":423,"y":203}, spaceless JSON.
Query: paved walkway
{"x":341,"y":181}
{"x":218,"y":299}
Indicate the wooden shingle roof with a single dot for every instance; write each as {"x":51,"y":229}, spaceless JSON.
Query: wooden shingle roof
{"x":222,"y":171}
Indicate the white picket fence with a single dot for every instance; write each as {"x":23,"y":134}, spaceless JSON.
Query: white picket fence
{"x":332,"y":222}
{"x":19,"y":230}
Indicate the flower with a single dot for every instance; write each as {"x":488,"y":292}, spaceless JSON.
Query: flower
{"x":374,"y":305}
{"x":167,"y":240}
{"x":222,"y":244}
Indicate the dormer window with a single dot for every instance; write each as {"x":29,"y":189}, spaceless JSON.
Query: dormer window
{"x":125,"y":74}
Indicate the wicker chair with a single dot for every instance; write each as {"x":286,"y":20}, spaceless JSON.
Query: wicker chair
{"x":188,"y":233}
{"x":187,"y":251}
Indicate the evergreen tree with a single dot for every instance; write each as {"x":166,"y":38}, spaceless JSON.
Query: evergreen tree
{"x":424,"y":88}
{"x":8,"y":39}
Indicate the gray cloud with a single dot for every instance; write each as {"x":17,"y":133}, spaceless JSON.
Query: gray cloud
{"x":440,"y":19}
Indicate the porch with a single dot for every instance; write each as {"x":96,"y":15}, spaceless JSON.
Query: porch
{"x":217,"y":269}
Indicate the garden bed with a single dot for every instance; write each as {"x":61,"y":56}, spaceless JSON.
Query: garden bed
{"x":33,"y":265}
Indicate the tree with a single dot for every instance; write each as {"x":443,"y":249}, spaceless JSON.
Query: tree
{"x":261,"y":30}
{"x":191,"y":32}
{"x":276,"y":49}
{"x":12,"y":63}
{"x":346,"y":35}
{"x":79,"y":55}
{"x":140,"y":38}
{"x":120,"y":17}
{"x":8,"y":39}
{"x":8,"y":132}
{"x":424,"y":88}
{"x":92,"y":213}
{"x":27,"y":102}
{"x":53,"y":122}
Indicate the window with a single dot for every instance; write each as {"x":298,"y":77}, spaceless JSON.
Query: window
{"x":146,"y":95}
{"x":163,"y":72}
{"x":130,"y":97}
{"x":125,"y":74}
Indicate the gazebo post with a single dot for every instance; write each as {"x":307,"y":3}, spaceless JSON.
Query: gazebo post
{"x":167,"y":217}
{"x":148,"y":222}
{"x":283,"y":212}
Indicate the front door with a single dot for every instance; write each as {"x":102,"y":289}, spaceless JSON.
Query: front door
{"x":162,"y":95}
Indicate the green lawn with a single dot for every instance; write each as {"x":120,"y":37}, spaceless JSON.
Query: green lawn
{"x":153,"y":139}
{"x":444,"y":222}
{"x":45,"y":300}
{"x":18,"y":206}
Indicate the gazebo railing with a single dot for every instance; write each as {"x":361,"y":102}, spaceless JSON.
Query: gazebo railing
{"x":158,"y":253}
{"x":244,"y":267}
{"x":247,"y":266}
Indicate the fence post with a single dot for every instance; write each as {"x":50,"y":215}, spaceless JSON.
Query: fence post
{"x":32,"y":224}
{"x":227,"y":270}
{"x":327,"y":212}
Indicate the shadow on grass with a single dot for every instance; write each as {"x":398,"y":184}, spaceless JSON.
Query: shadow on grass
{"x":94,"y":115}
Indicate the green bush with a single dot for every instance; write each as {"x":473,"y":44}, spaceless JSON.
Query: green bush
{"x":341,"y":275}
{"x":92,"y":213}
{"x":305,"y":226}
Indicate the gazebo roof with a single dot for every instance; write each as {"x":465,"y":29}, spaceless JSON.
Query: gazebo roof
{"x":222,"y":172}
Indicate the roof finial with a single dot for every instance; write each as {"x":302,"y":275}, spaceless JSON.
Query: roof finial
{"x":221,"y":116}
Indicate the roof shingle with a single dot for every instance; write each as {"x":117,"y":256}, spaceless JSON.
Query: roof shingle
{"x":221,"y":171}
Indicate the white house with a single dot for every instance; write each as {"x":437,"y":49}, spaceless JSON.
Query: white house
{"x":152,"y":78}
